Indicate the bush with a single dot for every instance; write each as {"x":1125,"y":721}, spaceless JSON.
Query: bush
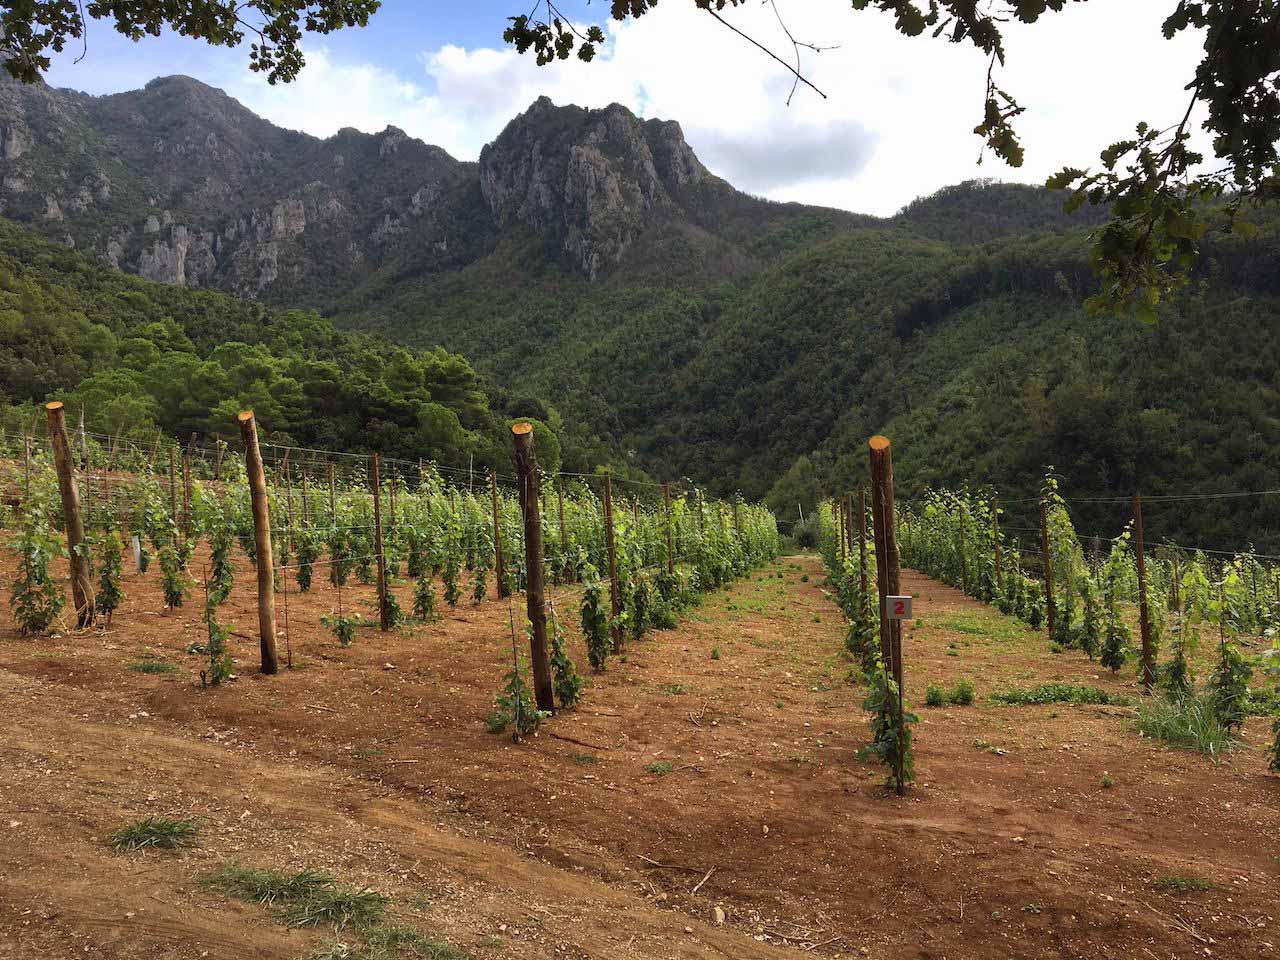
{"x":934,"y":696}
{"x":962,"y":693}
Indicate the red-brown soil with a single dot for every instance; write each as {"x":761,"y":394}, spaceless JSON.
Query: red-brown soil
{"x":373,"y":763}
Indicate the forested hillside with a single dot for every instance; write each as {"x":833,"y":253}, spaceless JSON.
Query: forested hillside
{"x":140,"y":355}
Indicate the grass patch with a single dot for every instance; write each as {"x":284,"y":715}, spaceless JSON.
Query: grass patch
{"x":996,"y":628}
{"x":585,"y":758}
{"x":389,"y":943}
{"x":304,"y":899}
{"x":152,"y":832}
{"x":659,"y":767}
{"x":1178,"y":883}
{"x":1186,"y":722}
{"x":1057,"y":693}
{"x":961,"y":695}
{"x":152,"y":666}
{"x":672,"y":689}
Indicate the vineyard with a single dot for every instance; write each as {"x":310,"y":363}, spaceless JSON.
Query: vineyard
{"x":703,"y":764}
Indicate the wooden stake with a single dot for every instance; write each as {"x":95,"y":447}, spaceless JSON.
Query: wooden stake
{"x":1047,"y":563}
{"x":394,"y":485}
{"x":262,"y":541}
{"x":964,"y":559}
{"x":498,"y":565}
{"x":862,"y":538}
{"x":384,"y":612}
{"x":333,"y":496}
{"x":186,"y":496}
{"x":173,"y":487}
{"x":84,"y":443}
{"x":564,"y":536}
{"x":1144,"y":618}
{"x":614,"y":605}
{"x":527,"y":468}
{"x":217,"y":456}
{"x":671,"y":533}
{"x":77,"y":549}
{"x":887,"y":572}
{"x":995,"y":539}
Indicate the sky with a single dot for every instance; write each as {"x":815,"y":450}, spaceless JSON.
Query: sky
{"x":896,"y":122}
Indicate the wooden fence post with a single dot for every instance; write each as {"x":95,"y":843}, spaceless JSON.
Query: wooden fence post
{"x":262,"y":540}
{"x":862,"y":538}
{"x":173,"y":487}
{"x":77,"y":549}
{"x":564,"y":534}
{"x":498,"y":565}
{"x":995,"y":540}
{"x":1047,"y":562}
{"x":333,"y":496}
{"x":614,"y":605}
{"x":392,"y":524}
{"x":1144,"y":618}
{"x":837,"y":516}
{"x":527,"y":468}
{"x":384,"y":612}
{"x":186,"y":496}
{"x":671,"y":533}
{"x":964,"y":558}
{"x":887,"y":572}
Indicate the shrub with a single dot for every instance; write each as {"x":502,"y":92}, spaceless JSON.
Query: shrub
{"x":934,"y":695}
{"x":344,"y":628}
{"x":962,"y":693}
{"x":109,"y":595}
{"x":595,"y":621}
{"x":564,"y":672}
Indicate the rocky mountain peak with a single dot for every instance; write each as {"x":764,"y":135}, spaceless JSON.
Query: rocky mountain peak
{"x":592,"y":178}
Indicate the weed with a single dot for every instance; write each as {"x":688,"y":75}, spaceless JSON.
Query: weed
{"x":934,"y":696}
{"x":585,"y":758}
{"x":672,"y":689}
{"x":1107,"y":781}
{"x":1057,"y":693}
{"x":804,"y":578}
{"x":715,"y":653}
{"x":152,"y":666}
{"x":659,"y":767}
{"x":989,"y":747}
{"x":962,"y":693}
{"x":1178,"y":883}
{"x":304,"y":899}
{"x":152,"y":832}
{"x":1189,"y":722}
{"x":779,"y":704}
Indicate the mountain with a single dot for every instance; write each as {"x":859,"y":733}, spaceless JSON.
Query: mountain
{"x":601,"y":279}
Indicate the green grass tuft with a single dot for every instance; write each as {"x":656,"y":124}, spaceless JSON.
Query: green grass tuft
{"x":1187,"y":722}
{"x":304,"y":899}
{"x":1179,"y":883}
{"x":585,"y":758}
{"x":1057,"y":693}
{"x":152,"y":832}
{"x":152,"y":666}
{"x":659,"y":767}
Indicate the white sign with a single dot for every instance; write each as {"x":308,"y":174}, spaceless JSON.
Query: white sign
{"x":897,"y":608}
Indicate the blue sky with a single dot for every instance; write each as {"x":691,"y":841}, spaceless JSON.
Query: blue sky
{"x":897,"y":121}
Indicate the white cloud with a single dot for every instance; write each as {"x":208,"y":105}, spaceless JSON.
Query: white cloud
{"x":897,"y":121}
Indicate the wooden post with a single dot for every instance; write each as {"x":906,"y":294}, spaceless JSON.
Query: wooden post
{"x":527,"y":468}
{"x":1047,"y":563}
{"x":186,"y":495}
{"x":384,"y":613}
{"x":614,"y":606}
{"x":333,"y":496}
{"x":262,"y":540}
{"x":1144,"y":619}
{"x":77,"y":549}
{"x":288,"y":500}
{"x":862,"y":538}
{"x":837,"y":515}
{"x":671,"y":533}
{"x":964,"y":559}
{"x":564,"y":536}
{"x":498,"y":566}
{"x":173,"y":487}
{"x":995,"y":539}
{"x":887,"y":572}
{"x":26,"y":465}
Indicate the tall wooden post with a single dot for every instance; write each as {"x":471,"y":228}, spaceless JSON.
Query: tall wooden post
{"x":384,"y":612}
{"x":262,"y":541}
{"x":333,"y":496}
{"x":1047,"y":562}
{"x":173,"y":487}
{"x":995,"y":539}
{"x":615,"y":606}
{"x":564,"y":534}
{"x":1144,"y":618}
{"x":498,"y":565}
{"x":862,"y":538}
{"x":77,"y":549}
{"x":964,"y":558}
{"x":186,"y":495}
{"x":671,"y":533}
{"x":527,"y":468}
{"x":887,"y":572}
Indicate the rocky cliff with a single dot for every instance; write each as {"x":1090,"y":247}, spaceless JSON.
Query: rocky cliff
{"x":180,"y":183}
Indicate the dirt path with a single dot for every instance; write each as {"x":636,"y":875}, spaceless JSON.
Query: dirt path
{"x":372,"y":762}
